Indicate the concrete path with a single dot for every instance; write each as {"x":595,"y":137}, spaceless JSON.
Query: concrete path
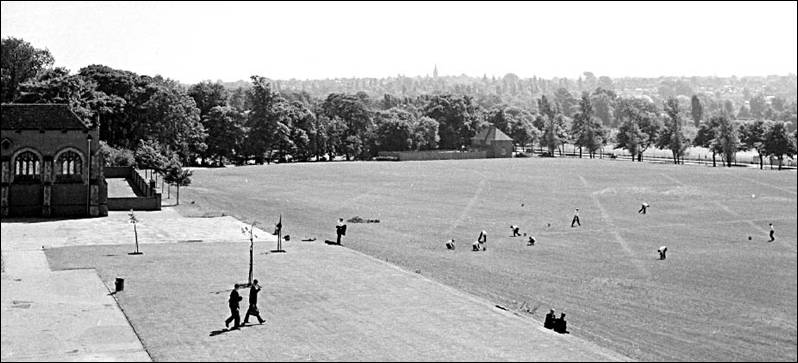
{"x":61,"y":316}
{"x":119,"y":188}
{"x":69,"y":315}
{"x":164,"y":226}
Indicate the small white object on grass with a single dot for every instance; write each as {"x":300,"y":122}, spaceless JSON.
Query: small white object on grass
{"x":753,"y":195}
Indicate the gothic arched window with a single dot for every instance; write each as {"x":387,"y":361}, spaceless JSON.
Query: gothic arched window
{"x":27,"y":166}
{"x":69,"y":163}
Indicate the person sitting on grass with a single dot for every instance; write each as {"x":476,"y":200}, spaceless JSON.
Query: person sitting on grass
{"x":531,"y":241}
{"x":475,"y":246}
{"x":450,"y":244}
{"x":662,"y":251}
{"x":550,"y":318}
{"x":516,"y":230}
{"x":560,"y":324}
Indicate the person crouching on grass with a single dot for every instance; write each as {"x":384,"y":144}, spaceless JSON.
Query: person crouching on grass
{"x":450,"y":244}
{"x":482,"y":240}
{"x":516,"y":230}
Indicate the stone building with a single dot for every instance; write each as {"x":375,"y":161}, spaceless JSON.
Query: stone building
{"x":51,"y":166}
{"x":494,"y":142}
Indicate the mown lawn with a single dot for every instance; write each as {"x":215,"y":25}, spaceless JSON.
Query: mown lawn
{"x":718,"y":296}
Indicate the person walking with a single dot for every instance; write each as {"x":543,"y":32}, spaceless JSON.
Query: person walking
{"x":232,"y":302}
{"x":643,"y":208}
{"x":576,"y":218}
{"x":253,"y":303}
{"x":772,"y":233}
{"x":340,"y":229}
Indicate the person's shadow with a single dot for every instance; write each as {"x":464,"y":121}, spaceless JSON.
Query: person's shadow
{"x":226,"y":330}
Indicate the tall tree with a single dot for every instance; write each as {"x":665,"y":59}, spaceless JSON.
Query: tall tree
{"x":779,"y":142}
{"x":19,"y":62}
{"x":696,"y":110}
{"x":262,"y":121}
{"x":752,"y":136}
{"x":705,"y":136}
{"x":208,"y":95}
{"x":726,"y":140}
{"x":672,"y":136}
{"x":225,"y":127}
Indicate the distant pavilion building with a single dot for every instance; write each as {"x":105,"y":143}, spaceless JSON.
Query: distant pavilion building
{"x":494,"y":142}
{"x":51,"y":166}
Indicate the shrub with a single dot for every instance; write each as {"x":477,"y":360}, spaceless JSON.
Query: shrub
{"x":116,"y":157}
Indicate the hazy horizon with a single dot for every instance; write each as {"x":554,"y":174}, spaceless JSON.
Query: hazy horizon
{"x":192,"y":42}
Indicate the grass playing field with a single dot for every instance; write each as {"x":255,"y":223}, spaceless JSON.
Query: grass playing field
{"x":718,"y":296}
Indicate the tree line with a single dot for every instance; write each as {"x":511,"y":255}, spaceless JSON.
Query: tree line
{"x":210,"y":124}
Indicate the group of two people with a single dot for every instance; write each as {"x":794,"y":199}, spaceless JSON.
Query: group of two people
{"x":479,"y":244}
{"x":517,"y":233}
{"x":233,"y":301}
{"x":557,"y":324}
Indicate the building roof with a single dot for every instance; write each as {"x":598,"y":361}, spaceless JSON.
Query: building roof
{"x":490,"y":134}
{"x":39,"y":116}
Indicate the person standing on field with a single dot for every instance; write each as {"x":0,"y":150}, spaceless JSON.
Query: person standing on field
{"x":576,"y":218}
{"x":340,"y":229}
{"x":772,"y":233}
{"x":643,"y":208}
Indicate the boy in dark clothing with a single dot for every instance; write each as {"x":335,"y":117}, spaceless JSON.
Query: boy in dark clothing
{"x":549,"y":322}
{"x":253,"y":303}
{"x":516,"y":230}
{"x":560,"y":324}
{"x":235,"y":298}
{"x":340,"y":229}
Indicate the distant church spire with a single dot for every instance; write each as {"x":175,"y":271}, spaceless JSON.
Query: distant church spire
{"x":435,"y":72}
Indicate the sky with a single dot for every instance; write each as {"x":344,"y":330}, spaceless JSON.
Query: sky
{"x":230,"y":41}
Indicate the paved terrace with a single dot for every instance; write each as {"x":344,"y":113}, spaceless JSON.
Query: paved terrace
{"x":320,"y":302}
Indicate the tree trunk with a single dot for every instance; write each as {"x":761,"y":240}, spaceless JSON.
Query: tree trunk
{"x":780,"y":158}
{"x":580,"y":152}
{"x":713,"y":160}
{"x":178,"y":195}
{"x":640,"y":157}
{"x":169,"y":191}
{"x":761,"y":163}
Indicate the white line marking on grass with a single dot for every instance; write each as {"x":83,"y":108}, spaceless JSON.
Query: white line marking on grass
{"x":673,"y":179}
{"x":725,"y":208}
{"x":793,"y":192}
{"x":608,"y":221}
{"x":468,"y":207}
